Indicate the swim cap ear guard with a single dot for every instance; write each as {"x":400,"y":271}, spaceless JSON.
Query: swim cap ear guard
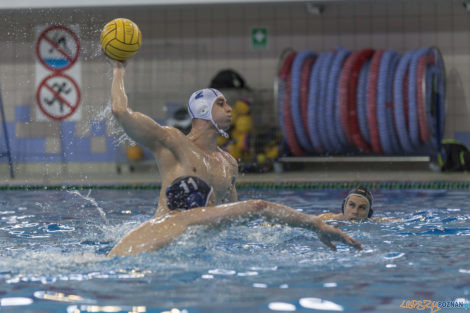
{"x":200,"y":106}
{"x":187,"y":192}
{"x":362,"y":192}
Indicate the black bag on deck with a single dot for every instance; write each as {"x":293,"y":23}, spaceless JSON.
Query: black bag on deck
{"x":454,"y":156}
{"x":228,"y":79}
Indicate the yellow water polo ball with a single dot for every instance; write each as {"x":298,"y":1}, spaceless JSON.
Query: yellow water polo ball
{"x":120,"y":39}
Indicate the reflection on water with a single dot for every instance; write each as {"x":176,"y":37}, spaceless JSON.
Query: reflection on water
{"x":282,"y":306}
{"x":15,"y":301}
{"x":54,"y":244}
{"x":319,"y":304}
{"x":107,"y":308}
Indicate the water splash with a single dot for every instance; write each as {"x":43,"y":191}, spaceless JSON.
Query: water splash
{"x":92,"y":201}
{"x":114,"y":128}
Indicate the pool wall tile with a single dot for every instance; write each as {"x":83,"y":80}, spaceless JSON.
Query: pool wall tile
{"x":22,"y":113}
{"x":98,"y":145}
{"x":44,"y":144}
{"x":98,"y":128}
{"x":53,"y":145}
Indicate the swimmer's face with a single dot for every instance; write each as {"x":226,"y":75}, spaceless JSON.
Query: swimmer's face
{"x":356,"y":208}
{"x":222,"y":113}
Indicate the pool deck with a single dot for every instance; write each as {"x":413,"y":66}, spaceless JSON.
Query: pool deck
{"x":100,"y":174}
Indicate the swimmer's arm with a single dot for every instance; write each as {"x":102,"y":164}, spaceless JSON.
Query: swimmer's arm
{"x":277,"y":212}
{"x":327,"y":234}
{"x":138,"y":126}
{"x":271,"y":210}
{"x":151,"y":235}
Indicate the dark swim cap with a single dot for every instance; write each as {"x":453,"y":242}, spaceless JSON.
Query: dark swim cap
{"x":362,"y":192}
{"x":187,"y":192}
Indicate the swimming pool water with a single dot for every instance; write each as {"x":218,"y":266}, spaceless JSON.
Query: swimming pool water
{"x":53,"y":247}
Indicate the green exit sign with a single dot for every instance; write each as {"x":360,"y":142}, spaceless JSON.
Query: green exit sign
{"x":259,"y":38}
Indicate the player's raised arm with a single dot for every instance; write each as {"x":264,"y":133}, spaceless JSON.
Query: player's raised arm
{"x":138,"y":126}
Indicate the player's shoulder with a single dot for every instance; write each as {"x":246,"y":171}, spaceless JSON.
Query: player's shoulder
{"x":173,"y":130}
{"x":174,"y":133}
{"x":229,"y":157}
{"x":332,"y":216}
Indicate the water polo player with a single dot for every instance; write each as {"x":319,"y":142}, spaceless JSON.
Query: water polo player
{"x":357,"y":205}
{"x":187,"y":197}
{"x":177,"y":154}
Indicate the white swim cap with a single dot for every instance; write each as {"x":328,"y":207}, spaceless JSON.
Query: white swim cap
{"x":200,"y":105}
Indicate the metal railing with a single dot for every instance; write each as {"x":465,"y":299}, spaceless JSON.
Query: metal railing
{"x":6,"y":153}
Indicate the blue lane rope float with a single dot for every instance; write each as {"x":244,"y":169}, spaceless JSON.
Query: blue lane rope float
{"x":289,"y":136}
{"x":439,"y":105}
{"x":336,"y":135}
{"x":361,"y":95}
{"x":362,"y":57}
{"x":340,"y":131}
{"x":439,"y":85}
{"x":429,"y":93}
{"x":422,"y":85}
{"x":386,"y":66}
{"x":405,"y":106}
{"x":372,"y":101}
{"x":291,"y":139}
{"x":434,"y":104}
{"x":278,"y":85}
{"x":399,"y":105}
{"x":433,"y":144}
{"x":300,"y":133}
{"x":413,"y":96}
{"x":304,"y":84}
{"x":344,"y":95}
{"x":322,"y":124}
{"x":391,"y":125}
{"x":313,"y":103}
{"x":281,"y":91}
{"x":337,"y":122}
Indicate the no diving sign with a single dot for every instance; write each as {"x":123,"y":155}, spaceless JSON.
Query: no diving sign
{"x":58,"y":73}
{"x":58,"y":96}
{"x":57,"y":48}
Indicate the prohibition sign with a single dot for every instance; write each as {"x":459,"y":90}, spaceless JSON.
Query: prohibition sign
{"x":58,"y":96}
{"x":57,"y":48}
